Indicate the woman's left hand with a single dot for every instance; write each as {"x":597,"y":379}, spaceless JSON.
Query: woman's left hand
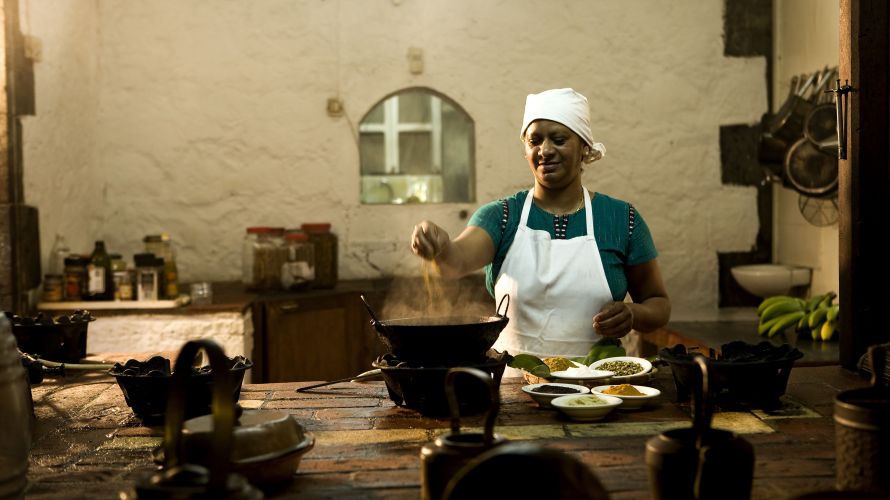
{"x":615,"y":320}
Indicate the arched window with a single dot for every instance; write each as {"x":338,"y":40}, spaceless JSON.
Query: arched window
{"x":417,"y":146}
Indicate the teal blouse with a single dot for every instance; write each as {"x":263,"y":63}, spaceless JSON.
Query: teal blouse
{"x":621,"y":234}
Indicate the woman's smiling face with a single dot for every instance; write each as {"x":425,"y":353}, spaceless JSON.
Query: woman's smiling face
{"x":554,"y":153}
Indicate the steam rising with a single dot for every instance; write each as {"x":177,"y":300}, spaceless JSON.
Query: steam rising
{"x":434,"y":296}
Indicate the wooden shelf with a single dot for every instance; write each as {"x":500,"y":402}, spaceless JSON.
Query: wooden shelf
{"x":114,"y":304}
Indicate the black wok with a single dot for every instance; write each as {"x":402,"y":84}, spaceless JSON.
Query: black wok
{"x":440,"y":340}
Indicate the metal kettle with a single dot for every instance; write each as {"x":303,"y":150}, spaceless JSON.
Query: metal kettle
{"x":179,"y":479}
{"x":444,"y":457}
{"x":15,"y":432}
{"x":700,"y":462}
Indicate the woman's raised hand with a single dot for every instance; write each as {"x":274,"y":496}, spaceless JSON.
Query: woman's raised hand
{"x":615,"y":320}
{"x":429,"y":240}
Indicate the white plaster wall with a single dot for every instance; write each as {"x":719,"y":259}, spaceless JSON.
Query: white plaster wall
{"x":806,"y":40}
{"x":61,"y":175}
{"x":211,"y":117}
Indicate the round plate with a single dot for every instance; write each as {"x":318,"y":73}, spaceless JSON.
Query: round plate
{"x":647,"y":366}
{"x":543,"y":398}
{"x":584,"y":373}
{"x":630,"y":402}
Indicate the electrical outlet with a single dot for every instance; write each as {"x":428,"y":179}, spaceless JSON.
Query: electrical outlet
{"x":415,"y":60}
{"x":335,"y":106}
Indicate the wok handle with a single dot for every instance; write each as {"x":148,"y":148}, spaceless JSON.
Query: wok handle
{"x":498,"y":310}
{"x":702,"y":411}
{"x":368,"y":307}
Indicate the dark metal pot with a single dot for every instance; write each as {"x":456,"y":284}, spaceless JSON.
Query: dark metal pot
{"x":862,"y":438}
{"x":440,"y":340}
{"x":700,"y":462}
{"x":441,"y":459}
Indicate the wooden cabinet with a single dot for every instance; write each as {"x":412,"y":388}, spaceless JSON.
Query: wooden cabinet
{"x":314,"y":337}
{"x":326,"y":334}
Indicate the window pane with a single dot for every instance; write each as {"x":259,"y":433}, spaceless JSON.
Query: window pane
{"x":414,"y":153}
{"x":376,"y":115}
{"x":414,"y":107}
{"x":372,"y":153}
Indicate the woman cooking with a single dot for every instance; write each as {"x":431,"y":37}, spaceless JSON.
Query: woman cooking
{"x":567,"y":257}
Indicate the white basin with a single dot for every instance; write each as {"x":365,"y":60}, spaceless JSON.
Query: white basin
{"x":766,"y":280}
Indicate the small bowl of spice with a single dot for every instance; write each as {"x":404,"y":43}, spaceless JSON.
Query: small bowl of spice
{"x":633,"y":397}
{"x":543,"y":394}
{"x":626,"y":368}
{"x":586,"y":407}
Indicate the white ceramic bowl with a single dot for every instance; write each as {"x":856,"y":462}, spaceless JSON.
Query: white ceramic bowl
{"x":544,"y":398}
{"x":631,"y":402}
{"x":582,"y":375}
{"x":585,"y":413}
{"x":644,"y":363}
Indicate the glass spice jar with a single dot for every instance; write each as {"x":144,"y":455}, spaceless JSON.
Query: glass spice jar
{"x":75,"y":277}
{"x":298,"y":272}
{"x":264,"y":253}
{"x":53,"y":287}
{"x":325,"y":245}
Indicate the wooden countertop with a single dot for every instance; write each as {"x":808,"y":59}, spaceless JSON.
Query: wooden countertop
{"x":88,"y":441}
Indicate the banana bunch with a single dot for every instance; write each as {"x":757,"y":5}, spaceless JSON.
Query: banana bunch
{"x":817,"y":315}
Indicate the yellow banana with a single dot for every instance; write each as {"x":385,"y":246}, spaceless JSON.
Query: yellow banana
{"x":817,"y":317}
{"x":770,"y":301}
{"x":785,"y":321}
{"x":833,"y":312}
{"x":828,"y":330}
{"x":815,"y":332}
{"x":781,"y":308}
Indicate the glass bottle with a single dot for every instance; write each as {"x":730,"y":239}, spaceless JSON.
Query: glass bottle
{"x":149,"y":269}
{"x":298,"y":271}
{"x":57,"y":256}
{"x":100,"y":282}
{"x":248,"y":254}
{"x":123,"y":289}
{"x":325,"y":243}
{"x":162,"y":246}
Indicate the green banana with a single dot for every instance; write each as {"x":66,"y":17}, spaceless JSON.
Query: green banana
{"x":828,"y":330}
{"x":781,"y":308}
{"x":813,"y":301}
{"x":817,"y":317}
{"x":828,"y":300}
{"x":770,"y":301}
{"x":833,"y":312}
{"x":785,"y":321}
{"x":802,"y":324}
{"x":764,"y":326}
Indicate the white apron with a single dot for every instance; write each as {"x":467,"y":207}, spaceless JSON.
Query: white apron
{"x":555,"y":286}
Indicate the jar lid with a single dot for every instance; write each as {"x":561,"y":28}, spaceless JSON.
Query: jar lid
{"x":316,"y":227}
{"x":74,"y":259}
{"x":152,"y":238}
{"x":296,"y":236}
{"x":147,"y":260}
{"x":277,"y":230}
{"x":258,"y":229}
{"x":114,"y":256}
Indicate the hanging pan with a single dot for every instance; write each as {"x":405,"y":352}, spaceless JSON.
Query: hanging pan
{"x":810,"y":171}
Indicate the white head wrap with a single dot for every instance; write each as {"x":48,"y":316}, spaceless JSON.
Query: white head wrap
{"x":564,"y":106}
